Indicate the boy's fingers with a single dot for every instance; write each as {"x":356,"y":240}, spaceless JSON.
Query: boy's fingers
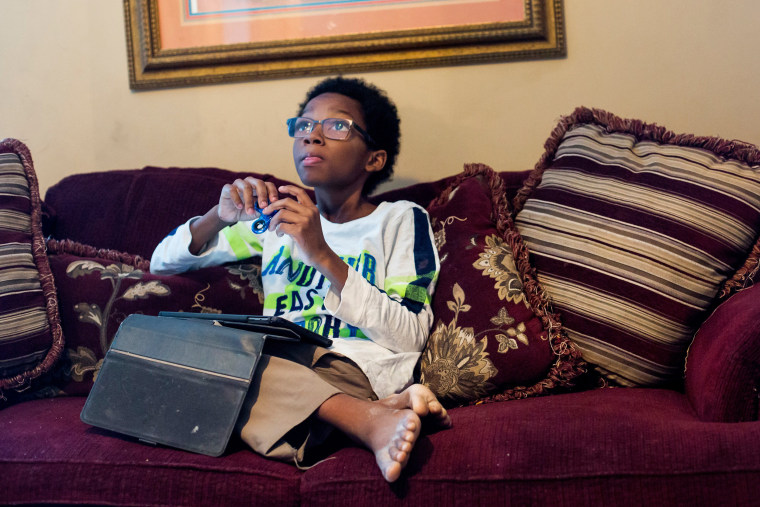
{"x":285,"y":216}
{"x":248,"y":197}
{"x":231,"y":191}
{"x":299,"y":193}
{"x":253,"y":188}
{"x":292,"y":220}
{"x":240,"y":194}
{"x":272,"y":192}
{"x":280,"y":205}
{"x":262,"y":193}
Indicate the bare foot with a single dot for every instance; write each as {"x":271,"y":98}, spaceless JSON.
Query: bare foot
{"x":389,"y":432}
{"x":421,"y":400}
{"x":392,"y":439}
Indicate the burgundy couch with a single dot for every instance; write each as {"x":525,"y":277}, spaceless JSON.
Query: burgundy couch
{"x":573,"y":440}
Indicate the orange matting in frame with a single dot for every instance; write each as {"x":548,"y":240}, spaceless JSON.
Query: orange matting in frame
{"x":201,"y":23}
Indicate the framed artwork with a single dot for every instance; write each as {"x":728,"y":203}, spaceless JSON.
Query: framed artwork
{"x":190,"y":42}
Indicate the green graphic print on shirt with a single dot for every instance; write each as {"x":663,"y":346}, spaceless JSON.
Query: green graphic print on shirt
{"x":301,"y":294}
{"x":297,"y":288}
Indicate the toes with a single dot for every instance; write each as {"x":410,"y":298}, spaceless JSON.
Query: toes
{"x":394,"y":445}
{"x":443,"y":419}
{"x":423,"y":401}
{"x":399,"y":456}
{"x":403,"y":444}
{"x":400,"y":453}
{"x":392,"y":472}
{"x":419,"y":405}
{"x":440,"y":414}
{"x":420,"y":399}
{"x":392,"y":466}
{"x":436,"y":410}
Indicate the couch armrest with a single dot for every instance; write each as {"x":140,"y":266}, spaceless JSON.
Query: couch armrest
{"x":723,"y":363}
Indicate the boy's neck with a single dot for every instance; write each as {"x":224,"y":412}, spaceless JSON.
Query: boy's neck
{"x":340,"y":210}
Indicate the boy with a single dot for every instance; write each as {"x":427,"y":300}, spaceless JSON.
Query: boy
{"x":343,"y":267}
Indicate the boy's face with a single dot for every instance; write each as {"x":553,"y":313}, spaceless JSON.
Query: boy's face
{"x":329,"y":163}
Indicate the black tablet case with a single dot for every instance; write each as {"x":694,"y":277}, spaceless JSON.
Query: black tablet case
{"x":178,"y":382}
{"x":276,"y":328}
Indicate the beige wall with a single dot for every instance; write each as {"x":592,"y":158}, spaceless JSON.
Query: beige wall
{"x":691,"y":65}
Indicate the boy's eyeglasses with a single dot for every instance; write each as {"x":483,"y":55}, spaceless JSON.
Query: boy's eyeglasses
{"x":332,"y":128}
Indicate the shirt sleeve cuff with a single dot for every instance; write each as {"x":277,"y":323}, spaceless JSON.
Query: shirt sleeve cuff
{"x":345,"y":303}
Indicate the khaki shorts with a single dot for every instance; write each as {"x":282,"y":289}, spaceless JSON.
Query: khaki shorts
{"x":291,"y":381}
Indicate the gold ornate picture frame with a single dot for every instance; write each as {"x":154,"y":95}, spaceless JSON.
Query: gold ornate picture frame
{"x":174,"y":43}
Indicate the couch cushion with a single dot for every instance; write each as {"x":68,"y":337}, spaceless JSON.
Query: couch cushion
{"x":49,"y":456}
{"x":98,"y":289}
{"x":493,"y":334}
{"x":144,"y":205}
{"x":623,"y":447}
{"x":426,"y":192}
{"x":638,"y":446}
{"x":30,"y":332}
{"x":634,"y":231}
{"x":152,"y":201}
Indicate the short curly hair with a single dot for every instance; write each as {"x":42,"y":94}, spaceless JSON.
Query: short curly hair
{"x":380,"y":115}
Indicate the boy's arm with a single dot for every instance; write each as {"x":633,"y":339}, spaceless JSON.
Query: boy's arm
{"x":300,"y":219}
{"x":398,"y":317}
{"x":233,"y":243}
{"x":205,"y":229}
{"x":218,"y":236}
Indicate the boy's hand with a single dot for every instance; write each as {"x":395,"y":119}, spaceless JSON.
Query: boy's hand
{"x":237,"y":199}
{"x":300,"y":220}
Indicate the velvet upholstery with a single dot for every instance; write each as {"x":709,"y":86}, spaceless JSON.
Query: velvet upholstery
{"x":636,"y":446}
{"x":102,"y":467}
{"x":149,"y":207}
{"x":501,"y":454}
{"x":723,"y":363}
{"x":621,"y":446}
{"x":146,"y":213}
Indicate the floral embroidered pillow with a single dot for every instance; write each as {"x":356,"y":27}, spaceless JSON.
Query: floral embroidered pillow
{"x":493,"y":337}
{"x":98,"y":289}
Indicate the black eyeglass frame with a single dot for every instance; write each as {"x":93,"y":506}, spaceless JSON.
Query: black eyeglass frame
{"x":351,"y":125}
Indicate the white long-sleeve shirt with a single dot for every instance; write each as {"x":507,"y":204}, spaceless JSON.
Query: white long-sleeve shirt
{"x":382,"y":317}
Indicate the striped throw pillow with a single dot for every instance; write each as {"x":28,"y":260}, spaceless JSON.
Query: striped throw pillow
{"x":634,"y":231}
{"x":31,"y":340}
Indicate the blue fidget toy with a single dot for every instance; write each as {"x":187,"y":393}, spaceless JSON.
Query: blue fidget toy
{"x":261,"y":224}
